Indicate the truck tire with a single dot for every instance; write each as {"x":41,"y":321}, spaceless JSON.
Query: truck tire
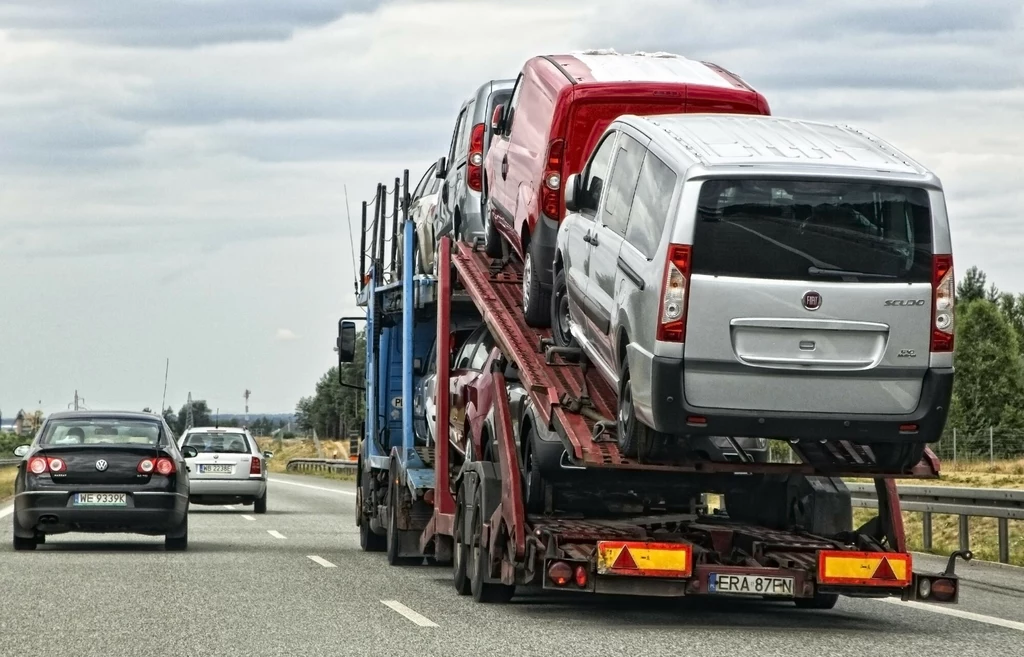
{"x":460,"y":553}
{"x":533,"y":483}
{"x":483,"y":591}
{"x":820,"y":601}
{"x":393,"y":537}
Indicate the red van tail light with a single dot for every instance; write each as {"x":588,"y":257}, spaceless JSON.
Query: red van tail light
{"x":943,"y":298}
{"x":550,"y":196}
{"x":474,"y":175}
{"x":674,"y":291}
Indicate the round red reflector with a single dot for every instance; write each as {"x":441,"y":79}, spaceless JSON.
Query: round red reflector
{"x":37,"y":465}
{"x":164,"y":466}
{"x":560,"y":573}
{"x":581,"y":577}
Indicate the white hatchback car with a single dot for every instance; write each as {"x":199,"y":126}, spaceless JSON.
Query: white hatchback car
{"x":229,"y":468}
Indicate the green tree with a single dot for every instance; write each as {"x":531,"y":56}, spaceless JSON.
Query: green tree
{"x":972,"y":286}
{"x":335,"y":410}
{"x":988,"y":387}
{"x":200,"y":416}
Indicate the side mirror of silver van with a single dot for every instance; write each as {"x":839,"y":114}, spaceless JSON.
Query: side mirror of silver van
{"x":572,"y":189}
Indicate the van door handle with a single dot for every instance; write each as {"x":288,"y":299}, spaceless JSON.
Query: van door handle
{"x":590,"y":239}
{"x":504,"y":167}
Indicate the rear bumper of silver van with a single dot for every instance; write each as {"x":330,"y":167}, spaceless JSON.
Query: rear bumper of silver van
{"x":668,"y":403}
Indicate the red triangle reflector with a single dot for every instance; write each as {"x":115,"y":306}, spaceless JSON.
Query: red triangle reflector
{"x":884,"y":571}
{"x":624,"y":561}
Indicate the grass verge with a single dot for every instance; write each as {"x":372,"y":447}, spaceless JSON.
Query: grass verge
{"x":7,"y":475}
{"x":286,"y":450}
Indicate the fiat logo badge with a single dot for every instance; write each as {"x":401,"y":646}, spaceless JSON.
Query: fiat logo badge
{"x":101,"y":465}
{"x":812,"y":300}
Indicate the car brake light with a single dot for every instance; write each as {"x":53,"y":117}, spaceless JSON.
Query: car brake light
{"x":37,"y":465}
{"x":254,"y":466}
{"x":672,"y":313}
{"x":476,"y":158}
{"x":165,"y":467}
{"x":943,"y":298}
{"x":57,"y":466}
{"x":146,"y":466}
{"x":550,"y":198}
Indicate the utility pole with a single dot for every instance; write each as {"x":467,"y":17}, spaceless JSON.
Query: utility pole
{"x":189,"y":422}
{"x":163,"y":400}
{"x":247,"y":393}
{"x":78,"y":404}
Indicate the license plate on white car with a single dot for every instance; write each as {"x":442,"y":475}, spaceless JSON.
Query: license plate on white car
{"x":101,"y":499}
{"x":215,"y":469}
{"x":750,"y":584}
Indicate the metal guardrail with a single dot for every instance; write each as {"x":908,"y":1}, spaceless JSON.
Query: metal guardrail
{"x":1002,"y":504}
{"x":320,"y":465}
{"x":14,"y":461}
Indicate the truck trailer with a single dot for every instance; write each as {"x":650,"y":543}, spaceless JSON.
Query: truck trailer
{"x":605,"y":523}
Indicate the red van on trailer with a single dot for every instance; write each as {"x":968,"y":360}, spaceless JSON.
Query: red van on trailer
{"x":559,"y":107}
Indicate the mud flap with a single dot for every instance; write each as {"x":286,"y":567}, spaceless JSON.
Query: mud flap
{"x":480,"y":476}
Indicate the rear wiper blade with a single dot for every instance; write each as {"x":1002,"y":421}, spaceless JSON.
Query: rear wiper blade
{"x":818,"y":271}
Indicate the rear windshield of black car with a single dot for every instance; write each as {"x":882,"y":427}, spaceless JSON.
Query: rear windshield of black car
{"x":104,"y":432}
{"x":218,"y":443}
{"x":813,"y":230}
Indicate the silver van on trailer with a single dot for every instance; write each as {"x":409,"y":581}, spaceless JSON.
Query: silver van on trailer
{"x":459,"y":210}
{"x":762,"y":277}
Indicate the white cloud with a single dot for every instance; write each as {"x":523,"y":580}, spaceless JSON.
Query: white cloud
{"x":285,"y":335}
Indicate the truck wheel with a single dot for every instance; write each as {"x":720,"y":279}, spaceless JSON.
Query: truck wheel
{"x":635,"y":439}
{"x":482,"y":590}
{"x":560,"y":312}
{"x":533,"y":485}
{"x":820,"y":601}
{"x":460,"y":553}
{"x":393,"y":538}
{"x":536,"y":299}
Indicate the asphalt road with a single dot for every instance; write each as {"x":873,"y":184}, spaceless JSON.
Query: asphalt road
{"x":294,"y":582}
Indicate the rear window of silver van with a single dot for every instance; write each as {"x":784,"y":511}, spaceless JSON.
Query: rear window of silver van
{"x":813,"y":230}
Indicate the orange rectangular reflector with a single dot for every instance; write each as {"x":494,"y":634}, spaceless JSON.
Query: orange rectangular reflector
{"x":642,"y":559}
{"x":842,"y":568}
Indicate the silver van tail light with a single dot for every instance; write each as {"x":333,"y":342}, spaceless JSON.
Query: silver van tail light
{"x":674,"y":288}
{"x":943,"y":299}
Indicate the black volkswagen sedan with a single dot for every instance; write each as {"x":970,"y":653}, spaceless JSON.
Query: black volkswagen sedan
{"x":102,"y":472}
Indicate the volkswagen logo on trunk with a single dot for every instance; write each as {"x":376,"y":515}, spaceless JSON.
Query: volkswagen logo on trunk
{"x":101,"y":465}
{"x":812,"y":300}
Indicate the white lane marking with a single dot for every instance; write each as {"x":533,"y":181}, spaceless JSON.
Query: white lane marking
{"x":329,"y":490}
{"x":248,"y":517}
{"x":320,"y":560}
{"x":6,"y":512}
{"x":414,"y":616}
{"x":959,"y":613}
{"x":275,"y":533}
{"x":229,"y":507}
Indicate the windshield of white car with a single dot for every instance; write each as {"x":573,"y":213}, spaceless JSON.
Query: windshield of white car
{"x":218,"y":443}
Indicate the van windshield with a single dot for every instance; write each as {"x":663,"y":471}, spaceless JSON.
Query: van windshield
{"x":813,"y":230}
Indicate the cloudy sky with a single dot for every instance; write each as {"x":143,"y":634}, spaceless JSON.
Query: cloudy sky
{"x":172,"y":173}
